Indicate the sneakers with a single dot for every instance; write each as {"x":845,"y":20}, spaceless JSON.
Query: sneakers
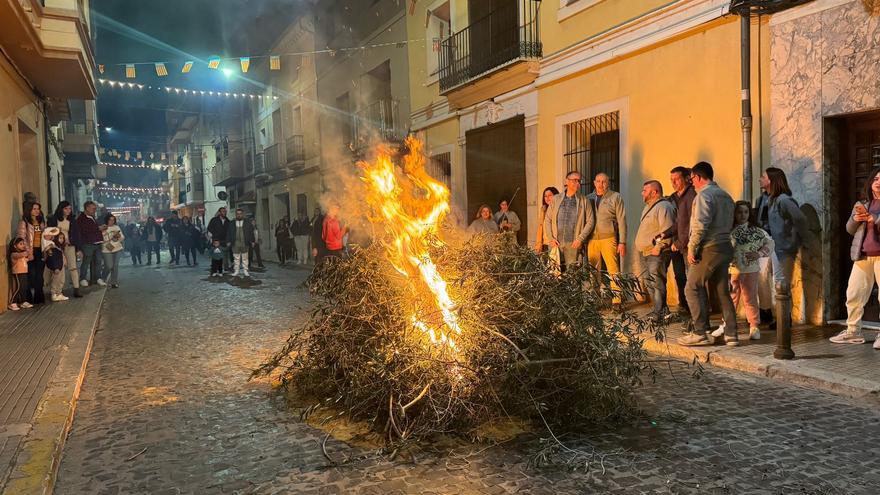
{"x":718,"y":332}
{"x":83,"y":283}
{"x":849,"y":336}
{"x":694,"y":339}
{"x":59,"y":297}
{"x":114,"y":286}
{"x":247,"y":274}
{"x":102,"y":283}
{"x":27,"y":305}
{"x":877,"y":343}
{"x":13,"y":307}
{"x":754,"y":333}
{"x":731,"y":341}
{"x":234,"y":274}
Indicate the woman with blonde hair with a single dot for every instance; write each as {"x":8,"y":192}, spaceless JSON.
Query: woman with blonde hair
{"x":483,"y":223}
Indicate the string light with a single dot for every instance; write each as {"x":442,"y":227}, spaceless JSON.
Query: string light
{"x":177,"y":91}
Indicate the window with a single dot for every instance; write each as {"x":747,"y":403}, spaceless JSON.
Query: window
{"x":302,"y":205}
{"x":440,"y":168}
{"x":438,"y":27}
{"x":592,"y":146}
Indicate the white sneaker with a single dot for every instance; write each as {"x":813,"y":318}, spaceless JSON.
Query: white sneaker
{"x":59,"y":297}
{"x":877,"y":343}
{"x":246,"y":274}
{"x":849,"y":336}
{"x":83,"y":283}
{"x":102,"y":283}
{"x":234,"y":274}
{"x":754,"y":333}
{"x":13,"y":307}
{"x":27,"y":305}
{"x":718,"y":332}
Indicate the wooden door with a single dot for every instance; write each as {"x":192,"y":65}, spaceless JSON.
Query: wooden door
{"x":496,"y":169}
{"x":492,"y":33}
{"x":859,"y":155}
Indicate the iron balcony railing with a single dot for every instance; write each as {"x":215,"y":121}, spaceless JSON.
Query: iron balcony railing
{"x":86,"y":128}
{"x":295,"y":149}
{"x":380,"y":119}
{"x":504,"y":35}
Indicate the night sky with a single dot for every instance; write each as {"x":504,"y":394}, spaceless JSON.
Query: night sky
{"x":173,"y":31}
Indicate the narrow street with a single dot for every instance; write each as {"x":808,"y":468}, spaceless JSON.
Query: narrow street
{"x":166,"y":407}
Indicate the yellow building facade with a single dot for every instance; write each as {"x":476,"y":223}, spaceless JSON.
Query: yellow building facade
{"x":634,"y":88}
{"x":39,"y":41}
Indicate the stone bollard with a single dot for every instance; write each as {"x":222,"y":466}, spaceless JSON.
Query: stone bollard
{"x":783,"y":323}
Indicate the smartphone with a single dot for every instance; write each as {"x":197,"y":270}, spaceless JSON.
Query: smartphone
{"x":860,"y":209}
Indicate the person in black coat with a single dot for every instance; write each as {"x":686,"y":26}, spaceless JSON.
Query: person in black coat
{"x":151,"y":235}
{"x":319,"y":249}
{"x":174,"y":228}
{"x":217,"y":228}
{"x":190,"y":239}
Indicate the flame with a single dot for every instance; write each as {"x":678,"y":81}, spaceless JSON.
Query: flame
{"x":411,"y":205}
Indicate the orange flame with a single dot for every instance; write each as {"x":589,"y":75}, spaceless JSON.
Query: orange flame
{"x":411,"y":205}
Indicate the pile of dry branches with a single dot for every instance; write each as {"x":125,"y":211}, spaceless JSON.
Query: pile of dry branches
{"x":533,"y":346}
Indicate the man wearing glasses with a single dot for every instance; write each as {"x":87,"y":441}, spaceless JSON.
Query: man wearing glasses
{"x":569,"y":221}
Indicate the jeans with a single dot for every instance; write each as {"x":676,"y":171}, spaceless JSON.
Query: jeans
{"x":35,"y":278}
{"x":711,"y":270}
{"x":174,"y":250}
{"x":187,"y":251}
{"x":654,"y":270}
{"x":153,"y":246}
{"x":680,"y":268}
{"x":90,"y":254}
{"x":136,"y":255}
{"x":280,"y":250}
{"x":111,"y":267}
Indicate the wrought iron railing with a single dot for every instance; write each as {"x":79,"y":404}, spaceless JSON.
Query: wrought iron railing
{"x":295,"y":149}
{"x":504,"y":35}
{"x":84,"y":127}
{"x":380,"y":119}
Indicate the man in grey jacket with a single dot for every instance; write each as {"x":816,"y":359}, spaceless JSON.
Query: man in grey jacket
{"x":569,"y":221}
{"x":709,"y":254}
{"x":608,"y":241}
{"x":658,"y":217}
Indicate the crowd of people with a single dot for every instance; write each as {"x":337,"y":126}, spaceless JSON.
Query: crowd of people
{"x":716,"y":246}
{"x":738,"y":253}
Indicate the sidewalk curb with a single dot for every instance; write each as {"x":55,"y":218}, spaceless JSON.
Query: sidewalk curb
{"x":38,"y":459}
{"x":768,"y":367}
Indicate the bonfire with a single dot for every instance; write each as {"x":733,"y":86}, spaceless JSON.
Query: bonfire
{"x":423,"y":333}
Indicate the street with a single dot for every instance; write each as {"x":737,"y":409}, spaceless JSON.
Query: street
{"x":166,"y":407}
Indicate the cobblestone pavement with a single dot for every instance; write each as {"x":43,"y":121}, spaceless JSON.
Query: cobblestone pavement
{"x":166,"y":408}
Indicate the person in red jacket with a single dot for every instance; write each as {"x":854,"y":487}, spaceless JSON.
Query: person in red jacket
{"x":333,"y":232}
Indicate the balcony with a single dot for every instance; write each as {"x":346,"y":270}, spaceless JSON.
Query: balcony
{"x":378,"y":120}
{"x":281,"y":161}
{"x":497,"y":53}
{"x":230,"y":168}
{"x":45,"y":41}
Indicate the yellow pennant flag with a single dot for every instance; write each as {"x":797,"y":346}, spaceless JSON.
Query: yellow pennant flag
{"x":214,"y":62}
{"x":245,"y":63}
{"x":187,"y":67}
{"x":161,"y":70}
{"x":129,"y":71}
{"x":274,"y":62}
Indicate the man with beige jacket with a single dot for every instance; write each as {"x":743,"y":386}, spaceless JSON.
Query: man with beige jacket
{"x":569,"y":221}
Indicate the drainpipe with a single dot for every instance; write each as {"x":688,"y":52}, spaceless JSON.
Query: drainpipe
{"x":746,"y":120}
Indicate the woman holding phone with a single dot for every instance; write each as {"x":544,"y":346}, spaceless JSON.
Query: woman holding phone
{"x":864,"y":226}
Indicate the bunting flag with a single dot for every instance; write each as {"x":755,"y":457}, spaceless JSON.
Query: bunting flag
{"x":163,"y":157}
{"x":245,"y":63}
{"x":214,"y":62}
{"x":274,"y":62}
{"x":161,"y":71}
{"x":129,"y":71}
{"x":127,"y":156}
{"x":187,"y":67}
{"x":139,"y":155}
{"x":101,"y":68}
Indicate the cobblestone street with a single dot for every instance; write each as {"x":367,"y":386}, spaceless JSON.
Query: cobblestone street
{"x":166,"y":407}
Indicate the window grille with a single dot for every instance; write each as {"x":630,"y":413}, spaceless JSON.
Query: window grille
{"x":592,"y":146}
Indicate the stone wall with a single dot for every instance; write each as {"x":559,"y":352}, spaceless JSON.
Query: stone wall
{"x":824,"y":61}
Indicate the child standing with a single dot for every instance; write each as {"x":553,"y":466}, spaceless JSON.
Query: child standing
{"x":54,"y":243}
{"x":19,"y":287}
{"x":218,"y":254}
{"x":750,"y":244}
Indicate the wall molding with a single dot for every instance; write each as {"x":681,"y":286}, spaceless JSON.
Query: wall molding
{"x":573,"y":9}
{"x":807,"y":9}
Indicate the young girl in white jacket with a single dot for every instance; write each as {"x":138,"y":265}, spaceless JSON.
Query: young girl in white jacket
{"x":111,"y":249}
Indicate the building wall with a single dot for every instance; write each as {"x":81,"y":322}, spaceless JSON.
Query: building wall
{"x":22,"y":158}
{"x":824,"y":59}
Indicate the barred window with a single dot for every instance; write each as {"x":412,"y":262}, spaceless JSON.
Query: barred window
{"x":440,"y":168}
{"x":593,"y":146}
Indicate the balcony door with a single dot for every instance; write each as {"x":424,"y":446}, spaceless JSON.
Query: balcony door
{"x":496,"y":169}
{"x":493,"y":33}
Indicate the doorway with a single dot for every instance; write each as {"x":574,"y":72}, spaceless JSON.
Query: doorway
{"x":852,"y":147}
{"x":496,"y":169}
